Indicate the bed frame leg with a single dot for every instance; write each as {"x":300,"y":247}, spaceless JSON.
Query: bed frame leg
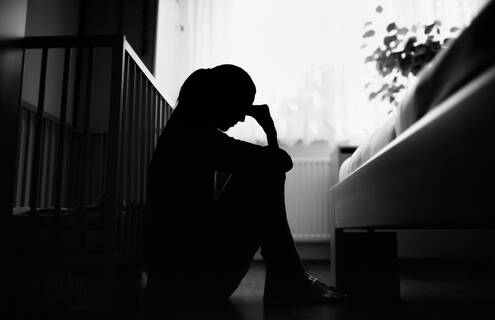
{"x":333,"y":257}
{"x":367,"y":266}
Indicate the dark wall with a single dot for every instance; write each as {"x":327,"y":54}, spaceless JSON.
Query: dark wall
{"x":53,"y":17}
{"x":134,"y":18}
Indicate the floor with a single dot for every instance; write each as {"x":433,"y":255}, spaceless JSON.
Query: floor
{"x":440,"y":291}
{"x":433,"y":293}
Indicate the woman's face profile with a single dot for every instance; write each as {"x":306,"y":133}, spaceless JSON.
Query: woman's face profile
{"x":233,"y":111}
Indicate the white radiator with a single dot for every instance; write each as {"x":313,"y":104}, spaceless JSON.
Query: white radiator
{"x":306,"y":197}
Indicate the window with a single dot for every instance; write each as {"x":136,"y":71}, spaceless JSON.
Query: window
{"x":304,"y":56}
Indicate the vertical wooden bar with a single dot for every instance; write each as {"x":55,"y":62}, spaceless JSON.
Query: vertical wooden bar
{"x":101,"y":168}
{"x":20,"y":176}
{"x":29,"y":157}
{"x":25,"y":162}
{"x":139,"y":142}
{"x":159,"y":118}
{"x":125,"y":129}
{"x":137,"y":133}
{"x":33,"y":202}
{"x":43,"y":162}
{"x":59,"y":165}
{"x":66,"y":189}
{"x":45,"y":181}
{"x":165,"y":113}
{"x":51,"y":160}
{"x":132,"y":132}
{"x":144,"y":137}
{"x":20,"y":173}
{"x":153,"y":122}
{"x":125,"y":152}
{"x":86,"y":174}
{"x":113,"y":186}
{"x":74,"y":170}
{"x":151,"y":138}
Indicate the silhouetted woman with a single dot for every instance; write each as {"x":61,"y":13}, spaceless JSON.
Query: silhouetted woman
{"x":200,"y":244}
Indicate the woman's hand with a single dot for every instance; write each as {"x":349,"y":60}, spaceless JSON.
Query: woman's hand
{"x":261,"y":114}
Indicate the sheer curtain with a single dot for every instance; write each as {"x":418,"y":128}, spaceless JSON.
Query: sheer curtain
{"x":304,"y":56}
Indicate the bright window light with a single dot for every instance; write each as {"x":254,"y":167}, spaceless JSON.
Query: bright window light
{"x":306,"y":57}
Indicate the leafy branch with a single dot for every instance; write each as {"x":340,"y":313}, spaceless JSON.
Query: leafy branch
{"x":403,"y":51}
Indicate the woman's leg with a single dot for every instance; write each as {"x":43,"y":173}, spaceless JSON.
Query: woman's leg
{"x":251,"y":214}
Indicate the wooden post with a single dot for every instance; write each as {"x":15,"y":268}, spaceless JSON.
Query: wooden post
{"x":12,"y":28}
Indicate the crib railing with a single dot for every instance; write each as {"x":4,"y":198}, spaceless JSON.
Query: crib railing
{"x":89,"y":119}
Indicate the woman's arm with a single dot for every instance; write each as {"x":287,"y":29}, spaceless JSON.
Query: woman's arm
{"x":231,"y":155}
{"x":262,"y":115}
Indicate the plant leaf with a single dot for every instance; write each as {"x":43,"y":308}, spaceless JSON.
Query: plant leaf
{"x":369,"y":34}
{"x":454,"y":29}
{"x":410,"y":44}
{"x":379,"y":9}
{"x":429,"y":28}
{"x":389,"y":39}
{"x":447,"y":41}
{"x":402,"y":31}
{"x":367,"y":23}
{"x":391,"y":26}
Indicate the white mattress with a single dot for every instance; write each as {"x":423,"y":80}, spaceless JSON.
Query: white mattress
{"x":375,"y":143}
{"x":465,"y":59}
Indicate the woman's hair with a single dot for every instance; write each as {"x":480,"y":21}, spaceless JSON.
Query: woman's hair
{"x":206,"y":88}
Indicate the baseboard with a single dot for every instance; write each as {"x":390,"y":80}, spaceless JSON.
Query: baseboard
{"x":309,"y":251}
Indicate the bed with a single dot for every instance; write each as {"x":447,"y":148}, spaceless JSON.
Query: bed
{"x":430,"y":166}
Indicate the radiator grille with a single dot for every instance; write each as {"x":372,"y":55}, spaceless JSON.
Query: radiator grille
{"x":306,"y":197}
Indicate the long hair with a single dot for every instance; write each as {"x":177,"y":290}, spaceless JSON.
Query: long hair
{"x":208,"y":88}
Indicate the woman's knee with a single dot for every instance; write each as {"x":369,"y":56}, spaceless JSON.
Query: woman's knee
{"x":256,"y":181}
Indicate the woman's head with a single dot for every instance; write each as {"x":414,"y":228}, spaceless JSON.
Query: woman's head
{"x":221,"y":96}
